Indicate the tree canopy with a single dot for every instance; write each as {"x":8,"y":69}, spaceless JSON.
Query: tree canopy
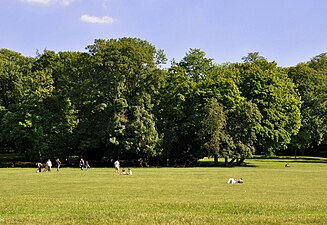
{"x":118,"y":101}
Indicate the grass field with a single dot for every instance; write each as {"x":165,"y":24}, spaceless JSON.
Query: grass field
{"x":271,"y":194}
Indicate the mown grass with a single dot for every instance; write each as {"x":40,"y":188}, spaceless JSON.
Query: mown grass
{"x":271,"y":194}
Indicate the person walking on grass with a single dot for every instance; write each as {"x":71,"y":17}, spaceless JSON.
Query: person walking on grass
{"x":87,"y":165}
{"x":58,"y":164}
{"x":81,"y":163}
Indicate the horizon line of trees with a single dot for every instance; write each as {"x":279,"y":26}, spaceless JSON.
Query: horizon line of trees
{"x":118,"y":101}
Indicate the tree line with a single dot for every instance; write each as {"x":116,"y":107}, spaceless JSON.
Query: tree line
{"x":120,"y":100}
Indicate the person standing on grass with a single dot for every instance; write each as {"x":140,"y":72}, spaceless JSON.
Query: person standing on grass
{"x":58,"y":164}
{"x":49,"y":164}
{"x":117,"y":165}
{"x":81,"y":163}
{"x":87,"y":165}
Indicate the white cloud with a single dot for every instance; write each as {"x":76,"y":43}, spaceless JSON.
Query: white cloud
{"x":47,"y":2}
{"x":93,"y":19}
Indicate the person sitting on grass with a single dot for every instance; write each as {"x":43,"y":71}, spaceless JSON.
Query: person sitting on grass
{"x":129,"y":172}
{"x":123,"y":172}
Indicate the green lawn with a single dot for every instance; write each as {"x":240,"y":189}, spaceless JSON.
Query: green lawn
{"x":271,"y":194}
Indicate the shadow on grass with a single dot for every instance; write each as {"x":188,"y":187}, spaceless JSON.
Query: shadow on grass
{"x":284,"y":159}
{"x":7,"y":160}
{"x":301,"y":159}
{"x":221,"y":164}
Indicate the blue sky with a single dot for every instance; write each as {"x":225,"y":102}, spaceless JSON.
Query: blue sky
{"x":286,"y":31}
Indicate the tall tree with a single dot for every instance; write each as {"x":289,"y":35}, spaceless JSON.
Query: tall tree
{"x":125,"y":76}
{"x":244,"y":126}
{"x":311,"y":81}
{"x":175,"y":112}
{"x":180,"y":108}
{"x":214,"y":134}
{"x":233,"y":122}
{"x":24,"y":98}
{"x":269,"y":87}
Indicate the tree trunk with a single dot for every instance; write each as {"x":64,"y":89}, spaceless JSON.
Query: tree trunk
{"x":215,"y":159}
{"x":295,"y":153}
{"x":231,"y":162}
{"x":240,"y":162}
{"x":226,"y":161}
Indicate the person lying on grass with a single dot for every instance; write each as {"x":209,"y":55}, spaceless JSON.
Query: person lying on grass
{"x":234,"y":181}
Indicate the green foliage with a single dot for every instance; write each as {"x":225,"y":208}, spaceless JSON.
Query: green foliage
{"x":118,"y":101}
{"x":196,"y":64}
{"x":125,"y":78}
{"x":214,"y":133}
{"x":176,"y":112}
{"x":275,"y":96}
{"x":311,"y":81}
{"x":244,"y":125}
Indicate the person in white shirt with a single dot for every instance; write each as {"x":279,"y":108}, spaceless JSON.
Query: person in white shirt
{"x":49,"y":164}
{"x":116,"y":163}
